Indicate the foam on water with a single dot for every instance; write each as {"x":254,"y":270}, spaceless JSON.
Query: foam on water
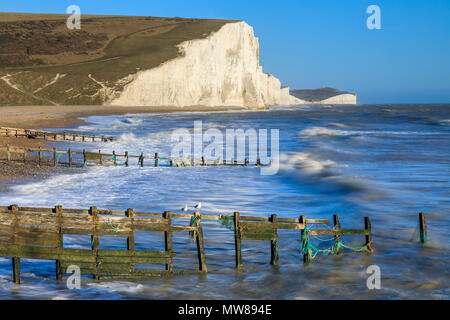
{"x":389,"y":166}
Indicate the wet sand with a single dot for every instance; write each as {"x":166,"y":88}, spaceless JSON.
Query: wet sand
{"x":16,"y":171}
{"x":37,"y":117}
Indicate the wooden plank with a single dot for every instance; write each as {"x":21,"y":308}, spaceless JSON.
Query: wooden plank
{"x":258,"y":236}
{"x":38,"y":219}
{"x":77,"y":221}
{"x":46,"y":253}
{"x":257,"y":227}
{"x":133,"y":260}
{"x":139,"y":274}
{"x":90,"y":232}
{"x":343,"y":232}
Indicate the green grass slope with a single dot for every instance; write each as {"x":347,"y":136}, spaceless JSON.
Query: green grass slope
{"x":43,"y":62}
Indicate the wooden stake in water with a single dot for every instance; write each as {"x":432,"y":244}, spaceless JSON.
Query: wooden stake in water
{"x":423,"y":228}
{"x":237,"y":240}
{"x":274,"y":243}
{"x":337,"y":228}
{"x":306,"y":255}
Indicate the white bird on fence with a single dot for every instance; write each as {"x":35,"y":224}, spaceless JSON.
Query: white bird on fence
{"x":185,"y":209}
{"x":198,"y":206}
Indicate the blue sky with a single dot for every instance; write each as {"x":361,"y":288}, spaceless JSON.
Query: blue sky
{"x":310,"y":43}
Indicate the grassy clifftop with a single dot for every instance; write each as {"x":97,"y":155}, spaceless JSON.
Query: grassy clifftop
{"x":43,"y":62}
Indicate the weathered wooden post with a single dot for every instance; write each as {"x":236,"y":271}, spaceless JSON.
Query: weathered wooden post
{"x":59,"y":211}
{"x":95,"y":240}
{"x":201,"y":248}
{"x":237,"y":240}
{"x":126,"y":158}
{"x":195,"y":221}
{"x":306,"y":254}
{"x":423,"y":228}
{"x":141,"y":159}
{"x":274,"y":242}
{"x":156,"y":159}
{"x":130,"y":238}
{"x":70,"y":157}
{"x":168,"y":240}
{"x":337,"y":229}
{"x":15,"y":260}
{"x":368,"y":228}
{"x":100,"y":161}
{"x":54,"y":157}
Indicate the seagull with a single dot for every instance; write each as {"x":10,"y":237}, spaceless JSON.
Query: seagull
{"x":198,"y":206}
{"x":185,"y":209}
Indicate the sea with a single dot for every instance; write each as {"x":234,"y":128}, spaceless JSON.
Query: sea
{"x":385,"y":162}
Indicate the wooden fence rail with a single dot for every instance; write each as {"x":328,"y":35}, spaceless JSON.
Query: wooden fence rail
{"x":37,"y":233}
{"x":88,"y":158}
{"x":51,"y":135}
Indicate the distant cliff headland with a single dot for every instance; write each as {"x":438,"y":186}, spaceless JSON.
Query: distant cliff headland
{"x":325,"y":95}
{"x":134,"y":61}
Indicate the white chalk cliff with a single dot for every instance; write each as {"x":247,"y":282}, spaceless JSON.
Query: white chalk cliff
{"x":220,"y":70}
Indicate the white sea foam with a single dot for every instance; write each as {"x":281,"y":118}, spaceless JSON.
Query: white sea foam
{"x":119,"y":287}
{"x":306,"y":162}
{"x":327,"y":132}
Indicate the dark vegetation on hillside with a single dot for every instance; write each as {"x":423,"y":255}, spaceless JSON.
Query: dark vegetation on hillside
{"x":22,"y":41}
{"x":43,"y":62}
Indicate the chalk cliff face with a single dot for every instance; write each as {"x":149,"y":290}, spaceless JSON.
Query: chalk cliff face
{"x":220,"y":70}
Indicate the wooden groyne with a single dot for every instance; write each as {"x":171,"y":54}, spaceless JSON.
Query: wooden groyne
{"x":37,"y":233}
{"x":51,"y":135}
{"x":73,"y":158}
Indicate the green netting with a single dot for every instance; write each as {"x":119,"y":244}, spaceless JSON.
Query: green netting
{"x":311,"y":250}
{"x":114,"y":228}
{"x":227,"y":222}
{"x":194,"y":219}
